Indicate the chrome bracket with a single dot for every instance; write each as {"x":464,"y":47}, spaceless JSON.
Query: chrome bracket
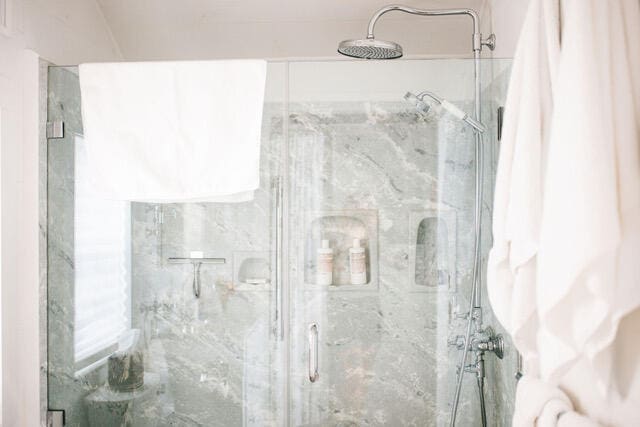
{"x":55,"y":418}
{"x":490,"y":42}
{"x":55,"y":129}
{"x":476,"y":42}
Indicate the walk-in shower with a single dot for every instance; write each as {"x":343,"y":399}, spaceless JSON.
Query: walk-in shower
{"x":482,"y":339}
{"x":228,"y":318}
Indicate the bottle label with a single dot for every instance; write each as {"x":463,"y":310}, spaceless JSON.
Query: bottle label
{"x":358,"y":265}
{"x":325,"y":263}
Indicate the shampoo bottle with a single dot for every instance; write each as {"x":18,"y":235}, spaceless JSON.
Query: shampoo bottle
{"x":324,"y":264}
{"x":357,"y":264}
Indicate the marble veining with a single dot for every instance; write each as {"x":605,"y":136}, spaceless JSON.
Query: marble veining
{"x":382,"y":354}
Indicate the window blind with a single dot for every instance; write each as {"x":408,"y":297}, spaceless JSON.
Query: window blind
{"x":102,"y":265}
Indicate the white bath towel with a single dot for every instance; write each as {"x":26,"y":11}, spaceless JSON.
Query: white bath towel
{"x":588,"y":274}
{"x":518,"y":194}
{"x":540,"y":404}
{"x":174,"y":131}
{"x":564,"y":268}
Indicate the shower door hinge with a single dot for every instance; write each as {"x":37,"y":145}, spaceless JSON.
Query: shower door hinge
{"x":55,"y":129}
{"x":55,"y":418}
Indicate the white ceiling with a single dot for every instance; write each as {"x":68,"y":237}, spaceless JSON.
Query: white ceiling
{"x":205,"y":29}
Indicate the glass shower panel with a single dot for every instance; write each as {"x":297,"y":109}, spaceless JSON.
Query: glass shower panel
{"x":356,"y":166}
{"x":367,"y":170}
{"x":122,"y":273}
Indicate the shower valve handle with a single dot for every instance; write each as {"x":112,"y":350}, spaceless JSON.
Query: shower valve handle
{"x":456,"y":341}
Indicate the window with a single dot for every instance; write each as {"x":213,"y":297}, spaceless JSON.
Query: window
{"x":102,"y":268}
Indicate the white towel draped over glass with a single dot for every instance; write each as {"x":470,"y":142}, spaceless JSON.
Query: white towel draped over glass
{"x":174,"y":131}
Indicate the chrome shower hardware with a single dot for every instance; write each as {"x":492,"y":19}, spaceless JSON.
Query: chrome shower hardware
{"x":423,"y":108}
{"x":371,"y":48}
{"x":456,"y":341}
{"x":313,"y":353}
{"x":487,"y":340}
{"x":196,"y":263}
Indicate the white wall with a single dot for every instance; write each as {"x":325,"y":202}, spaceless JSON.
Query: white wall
{"x":507,"y":17}
{"x":67,"y":32}
{"x":61,"y":31}
{"x":166,"y":29}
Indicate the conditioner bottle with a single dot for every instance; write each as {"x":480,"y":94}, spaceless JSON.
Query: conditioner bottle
{"x":357,"y":264}
{"x":324,"y":264}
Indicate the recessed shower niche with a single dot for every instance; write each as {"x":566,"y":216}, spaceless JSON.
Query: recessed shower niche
{"x":433,"y":255}
{"x":341,"y":229}
{"x":251,"y":270}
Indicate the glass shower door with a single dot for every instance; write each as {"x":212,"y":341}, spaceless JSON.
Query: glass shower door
{"x":277,"y":334}
{"x":367,"y":170}
{"x":165,"y":314}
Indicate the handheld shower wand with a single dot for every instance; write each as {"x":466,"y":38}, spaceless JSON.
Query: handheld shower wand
{"x":423,"y":108}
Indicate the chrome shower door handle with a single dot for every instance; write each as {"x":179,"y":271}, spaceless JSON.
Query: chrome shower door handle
{"x":313,"y":352}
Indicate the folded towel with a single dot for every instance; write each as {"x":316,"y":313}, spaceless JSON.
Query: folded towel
{"x":174,"y":131}
{"x":541,"y":404}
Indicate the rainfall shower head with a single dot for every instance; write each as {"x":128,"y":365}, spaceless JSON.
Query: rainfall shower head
{"x":423,"y":108}
{"x":370,"y":48}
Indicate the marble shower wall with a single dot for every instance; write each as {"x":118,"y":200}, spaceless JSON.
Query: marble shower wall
{"x":220,"y":350}
{"x":384,"y":358}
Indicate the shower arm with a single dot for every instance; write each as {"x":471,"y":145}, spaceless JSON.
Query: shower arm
{"x":477,"y":41}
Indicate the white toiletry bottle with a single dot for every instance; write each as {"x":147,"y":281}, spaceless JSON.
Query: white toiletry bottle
{"x":357,"y":264}
{"x":325,"y":264}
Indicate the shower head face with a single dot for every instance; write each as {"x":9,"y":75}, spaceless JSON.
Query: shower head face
{"x":419,"y":104}
{"x":370,"y":49}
